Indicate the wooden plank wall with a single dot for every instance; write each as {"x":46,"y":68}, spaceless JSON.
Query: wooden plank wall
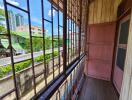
{"x":102,"y":25}
{"x":100,"y":50}
{"x":102,"y":11}
{"x":126,"y":91}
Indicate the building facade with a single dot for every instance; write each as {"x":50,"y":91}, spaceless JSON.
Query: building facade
{"x":25,"y":28}
{"x":19,"y":20}
{"x":15,"y":20}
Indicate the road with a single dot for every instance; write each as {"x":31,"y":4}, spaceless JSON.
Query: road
{"x":7,"y":60}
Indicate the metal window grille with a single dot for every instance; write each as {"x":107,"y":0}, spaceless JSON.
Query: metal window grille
{"x":27,"y":81}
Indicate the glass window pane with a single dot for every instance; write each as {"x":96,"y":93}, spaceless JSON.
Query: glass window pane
{"x":19,"y":3}
{"x":6,"y":73}
{"x":60,"y":18}
{"x":47,"y":10}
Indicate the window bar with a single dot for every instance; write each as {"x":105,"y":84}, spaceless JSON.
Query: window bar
{"x":11,"y":50}
{"x":3,"y":34}
{"x":71,"y":30}
{"x":87,"y":18}
{"x":71,"y":84}
{"x":47,"y":20}
{"x":85,"y":26}
{"x":76,"y":32}
{"x":60,"y":26}
{"x":57,"y":94}
{"x":68,"y":40}
{"x":29,"y":21}
{"x":74,"y":38}
{"x":64,"y":34}
{"x":80,"y":30}
{"x":68,"y":33}
{"x":58,"y":35}
{"x":66,"y":89}
{"x":52,"y":39}
{"x":8,"y":93}
{"x":77,"y":29}
{"x":16,"y":7}
{"x":45,"y":68}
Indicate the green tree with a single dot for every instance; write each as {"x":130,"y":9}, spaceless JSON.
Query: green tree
{"x":37,"y":44}
{"x":48,"y":42}
{"x":2,"y":15}
{"x":2,"y":18}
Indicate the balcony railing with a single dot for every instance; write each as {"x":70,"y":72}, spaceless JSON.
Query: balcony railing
{"x":67,"y":85}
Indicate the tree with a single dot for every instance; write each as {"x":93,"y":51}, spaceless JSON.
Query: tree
{"x":37,"y":44}
{"x":48,"y":42}
{"x":2,"y":18}
{"x":2,"y":15}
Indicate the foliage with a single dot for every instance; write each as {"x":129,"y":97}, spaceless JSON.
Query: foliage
{"x":18,"y":67}
{"x":56,"y":42}
{"x":2,"y":13}
{"x":47,"y":57}
{"x":22,"y":65}
{"x":48,"y":42}
{"x":3,"y":30}
{"x":37,"y":43}
{"x":41,"y":58}
{"x":56,"y":53}
{"x":5,"y":70}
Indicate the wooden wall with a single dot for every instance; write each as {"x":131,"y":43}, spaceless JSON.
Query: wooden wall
{"x":100,"y":48}
{"x":126,"y":91}
{"x":102,"y":11}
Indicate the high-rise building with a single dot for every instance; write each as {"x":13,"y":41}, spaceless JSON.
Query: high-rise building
{"x":12,"y":20}
{"x":15,"y":20}
{"x":25,"y":28}
{"x":19,"y":20}
{"x":2,"y":18}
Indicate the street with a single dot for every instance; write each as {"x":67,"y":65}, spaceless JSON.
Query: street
{"x":7,"y":60}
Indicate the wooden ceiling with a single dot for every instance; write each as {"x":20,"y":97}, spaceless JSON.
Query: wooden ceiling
{"x":101,"y":11}
{"x":73,"y":8}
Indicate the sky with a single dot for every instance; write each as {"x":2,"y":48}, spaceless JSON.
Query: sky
{"x":35,"y":11}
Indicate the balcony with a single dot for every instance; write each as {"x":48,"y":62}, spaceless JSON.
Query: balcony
{"x":65,"y":50}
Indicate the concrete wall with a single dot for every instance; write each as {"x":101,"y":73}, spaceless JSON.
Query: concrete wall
{"x":25,"y":79}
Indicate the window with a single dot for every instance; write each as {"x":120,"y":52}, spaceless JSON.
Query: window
{"x":122,"y":46}
{"x":32,"y":44}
